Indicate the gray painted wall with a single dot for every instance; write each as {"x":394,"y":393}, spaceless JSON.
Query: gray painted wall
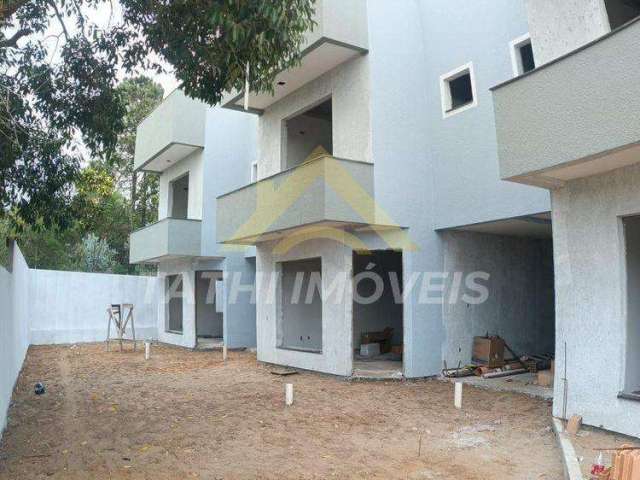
{"x":230,"y":149}
{"x":446,"y":169}
{"x":520,"y":306}
{"x":590,"y":297}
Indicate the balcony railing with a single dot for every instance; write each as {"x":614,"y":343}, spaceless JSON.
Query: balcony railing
{"x":575,"y":116}
{"x":166,"y":239}
{"x":324,"y":193}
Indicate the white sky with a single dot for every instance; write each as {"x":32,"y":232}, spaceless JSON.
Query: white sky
{"x":110,"y":13}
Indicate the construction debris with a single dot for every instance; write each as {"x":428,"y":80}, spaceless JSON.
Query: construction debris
{"x":574,"y":424}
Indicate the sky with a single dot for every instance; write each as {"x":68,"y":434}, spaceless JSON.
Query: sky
{"x":106,"y":14}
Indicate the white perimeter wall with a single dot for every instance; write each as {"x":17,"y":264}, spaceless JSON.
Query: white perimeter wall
{"x":68,"y":307}
{"x":14,"y":330}
{"x":48,"y":307}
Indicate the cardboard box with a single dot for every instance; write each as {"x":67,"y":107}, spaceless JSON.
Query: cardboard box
{"x":545,"y":378}
{"x":488,"y":351}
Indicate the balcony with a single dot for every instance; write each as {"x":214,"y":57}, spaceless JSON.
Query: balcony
{"x":340,"y":35}
{"x":325,"y":193}
{"x":173,"y":131}
{"x":165,"y":240}
{"x":573,"y":117}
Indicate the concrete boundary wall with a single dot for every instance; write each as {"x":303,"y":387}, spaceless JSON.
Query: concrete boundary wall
{"x":14,"y":329}
{"x":52,"y":307}
{"x":68,"y":307}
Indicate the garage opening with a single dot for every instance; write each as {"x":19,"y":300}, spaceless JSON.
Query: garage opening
{"x":632,"y":250}
{"x":308,"y":135}
{"x":209,"y":309}
{"x":378,"y":313}
{"x":499,"y":303}
{"x":173,"y":296}
{"x":299,"y":325}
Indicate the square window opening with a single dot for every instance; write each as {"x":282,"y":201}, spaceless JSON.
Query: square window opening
{"x":522,"y":57}
{"x":299,"y":321}
{"x":308,"y":135}
{"x":458,"y":90}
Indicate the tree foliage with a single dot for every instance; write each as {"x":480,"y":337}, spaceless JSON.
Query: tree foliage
{"x":210,"y":43}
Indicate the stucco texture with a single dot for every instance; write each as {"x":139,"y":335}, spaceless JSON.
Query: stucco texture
{"x":590,"y":297}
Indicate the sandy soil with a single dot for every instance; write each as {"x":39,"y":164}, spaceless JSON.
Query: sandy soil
{"x":589,"y":439}
{"x":186,"y":415}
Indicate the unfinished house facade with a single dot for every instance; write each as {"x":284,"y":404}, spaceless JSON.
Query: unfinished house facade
{"x":572,"y":126}
{"x":198,"y":152}
{"x":377,"y":157}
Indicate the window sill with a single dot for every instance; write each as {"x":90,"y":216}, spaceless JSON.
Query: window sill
{"x":301,"y":350}
{"x":173,"y":332}
{"x":634,"y":397}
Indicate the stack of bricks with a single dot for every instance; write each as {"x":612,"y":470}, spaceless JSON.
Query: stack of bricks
{"x":626,"y":464}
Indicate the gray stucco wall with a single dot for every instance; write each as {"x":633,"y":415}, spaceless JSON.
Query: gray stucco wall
{"x":348,"y":86}
{"x":520,"y":305}
{"x":336,"y":355}
{"x":553,"y":116}
{"x":560,"y":26}
{"x":590,"y":297}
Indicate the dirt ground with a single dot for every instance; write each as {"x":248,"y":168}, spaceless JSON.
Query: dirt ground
{"x":186,"y":414}
{"x":589,"y":439}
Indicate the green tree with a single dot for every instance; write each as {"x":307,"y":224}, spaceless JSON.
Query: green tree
{"x":95,"y":255}
{"x":100,"y":209}
{"x":59,"y":69}
{"x":210,"y":43}
{"x":141,"y":95}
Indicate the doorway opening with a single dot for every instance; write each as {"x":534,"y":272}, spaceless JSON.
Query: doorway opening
{"x":179,"y":196}
{"x":299,"y":325}
{"x":378,"y":330}
{"x":308,"y":135}
{"x":209,"y":309}
{"x":173,"y":295}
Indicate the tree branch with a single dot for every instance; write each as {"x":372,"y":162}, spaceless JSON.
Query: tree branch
{"x":60,"y":19}
{"x":13,"y":41}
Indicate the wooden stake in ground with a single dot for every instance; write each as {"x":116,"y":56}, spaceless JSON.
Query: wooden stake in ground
{"x":457,"y":400}
{"x":224,"y":352}
{"x":288,"y":394}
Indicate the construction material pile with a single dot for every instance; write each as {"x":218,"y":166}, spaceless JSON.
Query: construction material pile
{"x":489,"y":361}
